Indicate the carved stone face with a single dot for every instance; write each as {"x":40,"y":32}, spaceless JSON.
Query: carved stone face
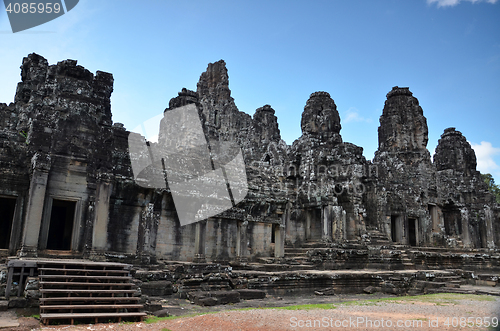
{"x":320,"y":115}
{"x":403,"y":126}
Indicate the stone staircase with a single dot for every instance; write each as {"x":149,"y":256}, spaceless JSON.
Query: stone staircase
{"x":376,"y":237}
{"x":87,"y":291}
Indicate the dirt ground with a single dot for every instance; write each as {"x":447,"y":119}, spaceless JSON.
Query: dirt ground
{"x":350,"y":312}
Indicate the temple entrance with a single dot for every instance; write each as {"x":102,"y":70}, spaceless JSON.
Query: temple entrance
{"x":433,"y":212}
{"x":394,"y":228}
{"x":273,"y":233}
{"x":61,"y":225}
{"x":7,"y":208}
{"x":452,"y":220}
{"x":412,"y":231}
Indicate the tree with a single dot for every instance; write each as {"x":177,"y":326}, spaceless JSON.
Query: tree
{"x":492,"y":187}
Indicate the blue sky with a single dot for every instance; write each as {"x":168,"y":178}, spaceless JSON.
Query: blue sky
{"x":279,"y":52}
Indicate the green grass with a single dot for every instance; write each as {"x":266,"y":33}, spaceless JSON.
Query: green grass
{"x":437,"y":298}
{"x":154,"y":319}
{"x":306,"y":307}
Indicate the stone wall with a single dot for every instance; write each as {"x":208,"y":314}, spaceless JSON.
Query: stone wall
{"x":67,"y":186}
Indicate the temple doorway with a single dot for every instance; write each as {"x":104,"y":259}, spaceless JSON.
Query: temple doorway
{"x":62,"y":218}
{"x":7,"y":208}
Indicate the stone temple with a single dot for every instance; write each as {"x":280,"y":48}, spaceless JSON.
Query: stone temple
{"x":67,"y":189}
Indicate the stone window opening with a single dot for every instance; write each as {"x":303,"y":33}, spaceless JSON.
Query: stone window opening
{"x":396,"y":228}
{"x":274,"y":228}
{"x":292,"y":171}
{"x":7,"y":209}
{"x":413,"y":231}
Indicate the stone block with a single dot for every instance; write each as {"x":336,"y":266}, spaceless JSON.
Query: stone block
{"x":434,"y":284}
{"x":207,"y":302}
{"x":249,"y":294}
{"x":214,"y":297}
{"x":371,"y":289}
{"x":33,"y":294}
{"x":452,"y":285}
{"x":152,"y":307}
{"x":161,"y":313}
{"x":18,"y":303}
{"x":31,"y":284}
{"x":481,"y":282}
{"x":325,"y":291}
{"x":157,"y":288}
{"x":4,"y":305}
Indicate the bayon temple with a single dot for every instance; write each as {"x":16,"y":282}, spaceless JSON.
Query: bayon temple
{"x":68,"y":189}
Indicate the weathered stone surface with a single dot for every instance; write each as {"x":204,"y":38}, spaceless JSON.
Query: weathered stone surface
{"x":157,"y":288}
{"x":18,"y":303}
{"x":325,"y":291}
{"x":321,"y":118}
{"x":162,"y":313}
{"x":371,"y":289}
{"x":454,"y":152}
{"x":153,"y":307}
{"x":248,"y":294}
{"x":213,"y":298}
{"x":32,"y":284}
{"x":60,"y":149}
{"x":403,"y":127}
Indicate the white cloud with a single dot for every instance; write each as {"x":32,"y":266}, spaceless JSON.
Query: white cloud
{"x":451,"y":3}
{"x":484,"y":154}
{"x":352,"y":115}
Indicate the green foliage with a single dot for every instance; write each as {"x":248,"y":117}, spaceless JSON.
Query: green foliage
{"x":492,"y":187}
{"x":25,"y":135}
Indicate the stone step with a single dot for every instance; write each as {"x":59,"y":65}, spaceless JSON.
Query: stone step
{"x":80,"y":291}
{"x":296,"y":250}
{"x":76,"y":271}
{"x":88,"y":307}
{"x":447,"y":278}
{"x":290,"y":255}
{"x":85,"y":290}
{"x":45,"y":318}
{"x":57,"y":300}
{"x":84,"y":277}
{"x":46,"y":285}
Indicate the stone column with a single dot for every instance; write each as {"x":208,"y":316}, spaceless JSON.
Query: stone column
{"x":36,"y":201}
{"x":338,"y":224}
{"x":101,"y":219}
{"x":490,"y":239}
{"x":199,"y":242}
{"x":279,"y":240}
{"x":241,"y":241}
{"x":466,"y":239}
{"x":351,"y":227}
{"x":308,"y":224}
{"x":326,"y":222}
